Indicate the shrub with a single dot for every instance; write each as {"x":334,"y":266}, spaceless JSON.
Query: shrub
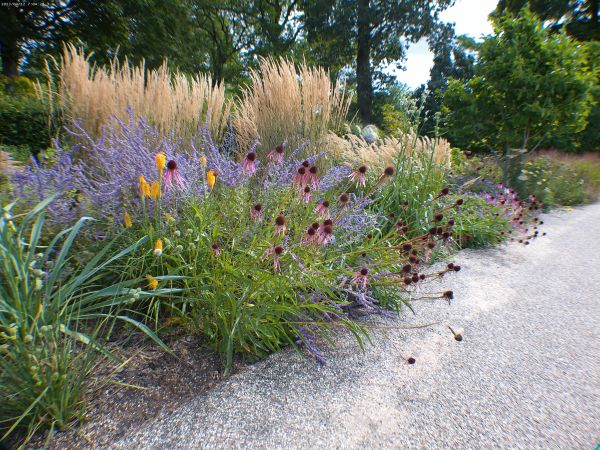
{"x":285,"y":103}
{"x":23,"y":121}
{"x":479,"y":223}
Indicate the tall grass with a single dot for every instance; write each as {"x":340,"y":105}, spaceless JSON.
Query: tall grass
{"x":283,"y":101}
{"x":356,"y":151}
{"x":171,"y":101}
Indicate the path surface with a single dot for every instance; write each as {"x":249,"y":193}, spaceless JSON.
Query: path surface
{"x":526,"y":375}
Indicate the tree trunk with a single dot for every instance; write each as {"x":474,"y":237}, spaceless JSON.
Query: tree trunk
{"x":363,"y":63}
{"x":9,"y":49}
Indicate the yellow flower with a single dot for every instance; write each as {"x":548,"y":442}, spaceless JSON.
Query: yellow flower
{"x":161,"y":162}
{"x":144,"y":187}
{"x":127,"y":220}
{"x":211,"y":178}
{"x":203,"y":160}
{"x":152,"y":282}
{"x":158,"y":247}
{"x":169,"y":218}
{"x":155,"y":190}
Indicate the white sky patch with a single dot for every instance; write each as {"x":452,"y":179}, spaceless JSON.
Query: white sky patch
{"x":470,"y":18}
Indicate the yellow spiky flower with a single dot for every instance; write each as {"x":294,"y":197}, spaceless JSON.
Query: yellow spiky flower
{"x":158,"y":247}
{"x":211,"y":178}
{"x":155,"y":190}
{"x":144,"y":187}
{"x":127,"y":220}
{"x":203,"y":160}
{"x":152,"y":282}
{"x":161,"y":162}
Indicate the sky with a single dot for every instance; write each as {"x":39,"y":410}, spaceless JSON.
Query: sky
{"x":469,"y":16}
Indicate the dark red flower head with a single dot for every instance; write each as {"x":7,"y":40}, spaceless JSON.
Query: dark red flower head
{"x":313,"y":170}
{"x":301,"y":171}
{"x":389,"y":171}
{"x":172,"y":165}
{"x":327,"y":222}
{"x":364,"y":271}
{"x":251,"y":156}
{"x":280,"y":220}
{"x":279,"y":148}
{"x":325,"y":203}
{"x":278,"y":250}
{"x":305,"y":164}
{"x":343,"y":198}
{"x":258,"y":207}
{"x":362,"y":169}
{"x":315,"y":225}
{"x":328,"y":229}
{"x":306,"y":189}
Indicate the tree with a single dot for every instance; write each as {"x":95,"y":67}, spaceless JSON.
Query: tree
{"x":369,"y":33}
{"x":453,"y":57}
{"x":528,"y":85}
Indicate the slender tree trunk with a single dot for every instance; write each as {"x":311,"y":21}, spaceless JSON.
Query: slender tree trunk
{"x":9,"y":49}
{"x":363,"y":63}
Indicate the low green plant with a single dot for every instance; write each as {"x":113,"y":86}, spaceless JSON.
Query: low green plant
{"x":478,"y":223}
{"x":54,"y":318}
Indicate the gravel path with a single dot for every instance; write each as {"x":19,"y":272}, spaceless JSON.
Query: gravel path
{"x":526,"y":375}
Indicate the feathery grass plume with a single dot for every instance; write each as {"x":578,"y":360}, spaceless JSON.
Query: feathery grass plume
{"x":356,"y":151}
{"x":170,"y":101}
{"x":283,"y":102}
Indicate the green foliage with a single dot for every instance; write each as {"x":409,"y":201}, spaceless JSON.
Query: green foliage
{"x":479,"y":223}
{"x":54,"y":316}
{"x":529,"y":86}
{"x":23,"y":118}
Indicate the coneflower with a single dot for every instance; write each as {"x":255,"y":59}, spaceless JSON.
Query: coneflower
{"x":359,"y":175}
{"x":389,"y":171}
{"x":300,"y":178}
{"x":325,"y":234}
{"x":256,"y":212}
{"x":310,"y":236}
{"x":249,"y":164}
{"x":305,"y":164}
{"x":322,"y":208}
{"x":277,"y":252}
{"x":360,"y":278}
{"x":313,"y":178}
{"x":215,"y":248}
{"x":343,"y":199}
{"x":172,"y":175}
{"x":276,"y":155}
{"x":306,"y":195}
{"x":280,"y":225}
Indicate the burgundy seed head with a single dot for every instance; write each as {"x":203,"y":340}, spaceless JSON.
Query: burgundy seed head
{"x":313,"y":170}
{"x":407,"y":280}
{"x":343,"y":198}
{"x":431,"y":245}
{"x":315,"y":225}
{"x":306,"y":189}
{"x":405,"y":229}
{"x":422,"y":276}
{"x":415,"y":277}
{"x":328,"y":229}
{"x":325,"y":203}
{"x":445,"y":191}
{"x":327,"y":222}
{"x":301,"y":171}
{"x":362,"y":169}
{"x":391,"y":216}
{"x":411,"y":360}
{"x":407,"y":268}
{"x":389,"y":171}
{"x":251,"y":156}
{"x":172,"y":165}
{"x":278,"y":250}
{"x":311,"y":231}
{"x":215,"y":246}
{"x":460,"y":201}
{"x":370,"y":236}
{"x":412,"y":259}
{"x":305,"y":164}
{"x":449,"y":295}
{"x":451,"y":266}
{"x":450,"y":222}
{"x":364,"y":271}
{"x":280,"y":220}
{"x":406,"y":247}
{"x":258,"y":207}
{"x":279,"y":148}
{"x":438,"y":217}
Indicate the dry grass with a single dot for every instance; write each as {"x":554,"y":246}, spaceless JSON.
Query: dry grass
{"x":355,"y":151}
{"x":284,"y":102}
{"x":171,"y":101}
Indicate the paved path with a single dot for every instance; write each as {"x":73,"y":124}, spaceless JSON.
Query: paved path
{"x":526,"y":375}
